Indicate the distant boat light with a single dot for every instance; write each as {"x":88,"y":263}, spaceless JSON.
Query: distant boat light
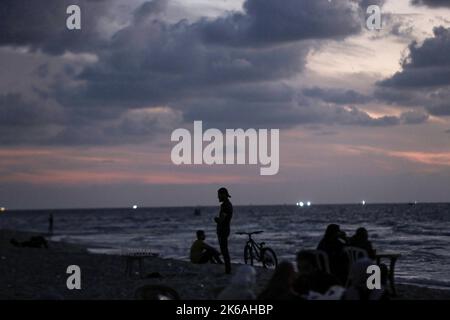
{"x":301,"y":204}
{"x":363,"y":202}
{"x":135,"y":207}
{"x":308,"y":203}
{"x":2,"y":209}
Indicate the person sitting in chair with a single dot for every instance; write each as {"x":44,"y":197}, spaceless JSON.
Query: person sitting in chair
{"x":361,"y":240}
{"x":201,"y":252}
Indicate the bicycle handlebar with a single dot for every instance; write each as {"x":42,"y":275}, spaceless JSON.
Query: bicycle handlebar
{"x":250,"y":233}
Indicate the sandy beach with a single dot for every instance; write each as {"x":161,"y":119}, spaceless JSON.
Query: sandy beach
{"x":31,"y":273}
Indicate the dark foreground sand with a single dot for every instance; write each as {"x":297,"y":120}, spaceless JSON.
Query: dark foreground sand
{"x":27,"y":273}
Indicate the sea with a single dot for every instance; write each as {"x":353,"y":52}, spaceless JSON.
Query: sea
{"x":419,"y":232}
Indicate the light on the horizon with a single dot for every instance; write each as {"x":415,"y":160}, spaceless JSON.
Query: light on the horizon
{"x":301,"y":204}
{"x":135,"y":207}
{"x":363,"y":202}
{"x":308,"y":203}
{"x":2,"y":209}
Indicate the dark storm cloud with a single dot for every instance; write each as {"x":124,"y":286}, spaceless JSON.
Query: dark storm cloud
{"x":283,"y":107}
{"x":42,"y":71}
{"x":25,"y":121}
{"x":432,"y":3}
{"x":175,"y":66}
{"x":227,"y":71}
{"x":414,"y":117}
{"x":149,"y":9}
{"x":151,"y":62}
{"x":426,"y":65}
{"x":272,"y":21}
{"x":337,"y":96}
{"x":15,"y":111}
{"x":424,"y":80}
{"x":42,"y":25}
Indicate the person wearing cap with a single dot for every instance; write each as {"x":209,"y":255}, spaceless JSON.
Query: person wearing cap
{"x":223,"y":225}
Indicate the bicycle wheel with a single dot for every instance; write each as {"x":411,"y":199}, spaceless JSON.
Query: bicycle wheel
{"x":248,"y":255}
{"x":269,"y":258}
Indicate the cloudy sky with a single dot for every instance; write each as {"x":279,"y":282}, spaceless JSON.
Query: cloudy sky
{"x":86,"y":116}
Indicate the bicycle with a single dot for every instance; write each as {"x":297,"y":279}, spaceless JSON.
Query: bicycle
{"x":257,"y":251}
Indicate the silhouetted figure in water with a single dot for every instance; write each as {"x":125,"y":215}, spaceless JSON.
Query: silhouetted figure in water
{"x":50,"y":224}
{"x":201,"y":252}
{"x":361,"y":240}
{"x":310,"y":277}
{"x":333,"y":244}
{"x":223,"y":225}
{"x":280,"y":286}
{"x":34,"y":242}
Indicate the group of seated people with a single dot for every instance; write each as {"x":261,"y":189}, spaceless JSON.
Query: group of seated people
{"x":307,"y":283}
{"x":333,"y":243}
{"x":287,"y":283}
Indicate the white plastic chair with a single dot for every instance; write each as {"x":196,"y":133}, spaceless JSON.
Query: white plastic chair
{"x":354,"y":254}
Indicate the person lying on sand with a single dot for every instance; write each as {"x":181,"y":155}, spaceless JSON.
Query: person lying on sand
{"x":34,"y":242}
{"x":201,"y":252}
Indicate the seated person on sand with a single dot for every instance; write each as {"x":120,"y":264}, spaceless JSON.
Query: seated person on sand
{"x":361,"y":240}
{"x":310,"y":277}
{"x":201,"y":252}
{"x":333,"y":243}
{"x":34,"y":242}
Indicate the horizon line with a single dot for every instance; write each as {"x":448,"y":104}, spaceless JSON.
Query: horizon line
{"x":214,"y":205}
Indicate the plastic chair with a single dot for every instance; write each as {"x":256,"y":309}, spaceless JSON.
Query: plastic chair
{"x":354,"y":254}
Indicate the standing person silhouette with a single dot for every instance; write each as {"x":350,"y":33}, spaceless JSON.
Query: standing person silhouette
{"x":50,"y":224}
{"x":223,"y":225}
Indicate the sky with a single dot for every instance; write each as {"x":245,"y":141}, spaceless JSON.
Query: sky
{"x":86,"y":115}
